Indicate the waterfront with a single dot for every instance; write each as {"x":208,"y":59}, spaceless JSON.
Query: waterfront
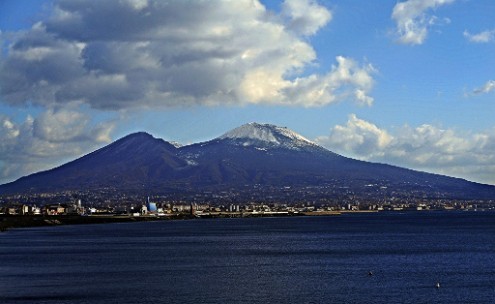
{"x":256,"y":260}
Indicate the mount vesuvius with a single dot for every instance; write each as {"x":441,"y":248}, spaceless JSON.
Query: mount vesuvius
{"x":252,"y":161}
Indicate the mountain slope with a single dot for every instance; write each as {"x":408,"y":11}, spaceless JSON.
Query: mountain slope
{"x":250,"y":157}
{"x":134,"y":160}
{"x":270,"y":155}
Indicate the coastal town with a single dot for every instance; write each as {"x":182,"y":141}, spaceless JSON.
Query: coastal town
{"x":27,"y":210}
{"x":150,"y":207}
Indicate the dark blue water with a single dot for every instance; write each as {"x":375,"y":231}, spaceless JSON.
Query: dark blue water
{"x":264,"y":260}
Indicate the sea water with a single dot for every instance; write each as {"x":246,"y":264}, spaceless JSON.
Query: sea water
{"x":354,"y":258}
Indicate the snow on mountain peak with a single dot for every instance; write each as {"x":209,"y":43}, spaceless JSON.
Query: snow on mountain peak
{"x":267,"y":134}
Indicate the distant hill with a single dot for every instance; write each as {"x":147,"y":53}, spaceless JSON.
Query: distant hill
{"x":253,"y":161}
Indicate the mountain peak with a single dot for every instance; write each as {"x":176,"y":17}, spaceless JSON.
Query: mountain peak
{"x":267,"y":135}
{"x":137,"y":136}
{"x":139,"y":142}
{"x":141,"y":134}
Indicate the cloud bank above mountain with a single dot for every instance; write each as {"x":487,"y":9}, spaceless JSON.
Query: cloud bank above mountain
{"x":117,"y":55}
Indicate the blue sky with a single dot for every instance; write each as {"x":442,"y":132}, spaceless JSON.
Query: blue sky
{"x":409,"y":83}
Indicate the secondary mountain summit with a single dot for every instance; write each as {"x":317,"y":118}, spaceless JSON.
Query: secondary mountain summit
{"x":252,"y":162}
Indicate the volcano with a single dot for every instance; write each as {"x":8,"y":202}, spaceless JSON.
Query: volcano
{"x":252,"y":161}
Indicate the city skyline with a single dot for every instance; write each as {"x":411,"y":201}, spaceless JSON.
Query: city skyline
{"x":408,"y":83}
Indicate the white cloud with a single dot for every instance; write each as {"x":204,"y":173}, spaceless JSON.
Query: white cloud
{"x":413,"y":19}
{"x":44,"y":142}
{"x":482,"y":37}
{"x":306,"y":16}
{"x":486,"y":88}
{"x":358,"y":137}
{"x":426,"y":147}
{"x":138,"y":4}
{"x":116,"y":55}
{"x":346,"y":80}
{"x":60,"y":126}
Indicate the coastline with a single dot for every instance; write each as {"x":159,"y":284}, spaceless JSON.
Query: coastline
{"x":8,"y":222}
{"x":22,"y":221}
{"x":25,"y":221}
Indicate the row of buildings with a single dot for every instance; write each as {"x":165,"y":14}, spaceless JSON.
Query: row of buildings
{"x":149,"y":208}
